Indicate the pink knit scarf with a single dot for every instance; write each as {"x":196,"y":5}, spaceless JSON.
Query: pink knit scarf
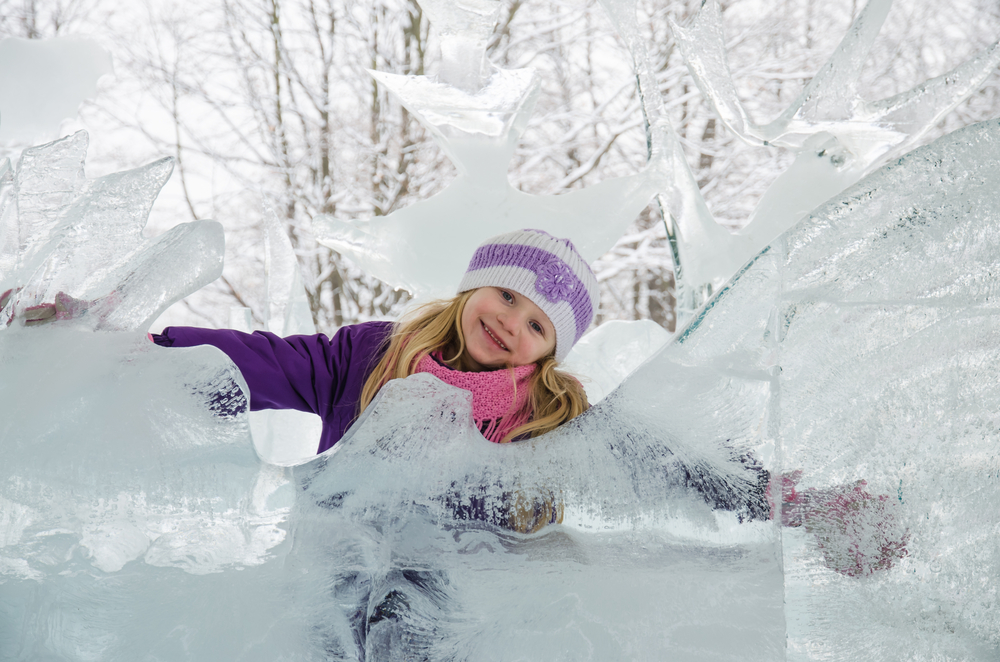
{"x":495,"y":407}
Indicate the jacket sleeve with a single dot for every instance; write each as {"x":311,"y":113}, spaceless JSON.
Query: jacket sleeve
{"x":307,"y":373}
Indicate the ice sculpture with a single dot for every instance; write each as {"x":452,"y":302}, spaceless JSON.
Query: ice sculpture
{"x":839,"y":137}
{"x":65,"y":234}
{"x":878,"y":340}
{"x":854,"y":358}
{"x":137,"y":521}
{"x":476,"y":113}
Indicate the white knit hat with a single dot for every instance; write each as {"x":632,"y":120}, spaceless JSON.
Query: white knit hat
{"x":547,"y":270}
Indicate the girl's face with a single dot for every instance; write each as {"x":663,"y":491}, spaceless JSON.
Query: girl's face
{"x":501,"y":328}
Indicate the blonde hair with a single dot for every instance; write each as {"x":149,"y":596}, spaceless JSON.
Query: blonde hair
{"x":554,"y":396}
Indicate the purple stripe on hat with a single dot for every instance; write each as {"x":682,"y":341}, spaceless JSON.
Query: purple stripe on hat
{"x":554,"y":279}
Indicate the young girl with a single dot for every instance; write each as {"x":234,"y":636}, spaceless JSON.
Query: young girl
{"x":525,"y":300}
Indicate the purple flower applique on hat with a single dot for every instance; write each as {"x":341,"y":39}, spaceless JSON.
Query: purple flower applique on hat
{"x":555,"y":280}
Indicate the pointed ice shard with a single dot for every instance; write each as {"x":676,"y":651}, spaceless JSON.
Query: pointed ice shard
{"x":702,"y":248}
{"x":284,"y":436}
{"x":288,"y":311}
{"x":10,"y":244}
{"x":82,"y":240}
{"x":182,"y":260}
{"x":500,"y":109}
{"x":832,"y":94}
{"x":49,"y":178}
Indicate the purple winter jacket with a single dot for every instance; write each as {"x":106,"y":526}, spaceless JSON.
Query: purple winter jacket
{"x":308,"y":373}
{"x":325,"y":376}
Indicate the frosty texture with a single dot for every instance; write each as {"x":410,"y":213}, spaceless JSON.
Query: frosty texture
{"x":126,"y":476}
{"x":382,"y":515}
{"x":874,"y":323}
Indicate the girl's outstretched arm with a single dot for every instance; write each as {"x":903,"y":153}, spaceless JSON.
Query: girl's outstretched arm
{"x":314,"y":373}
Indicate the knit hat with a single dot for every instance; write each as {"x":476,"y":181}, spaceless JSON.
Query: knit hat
{"x":547,"y":270}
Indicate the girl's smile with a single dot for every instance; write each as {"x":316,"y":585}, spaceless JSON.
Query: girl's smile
{"x":502,"y":327}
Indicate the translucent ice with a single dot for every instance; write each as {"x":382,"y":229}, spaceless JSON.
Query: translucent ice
{"x":879,"y":341}
{"x":83,"y":238}
{"x":838,"y":136}
{"x":136,"y":521}
{"x":464,"y":29}
{"x":607,"y":355}
{"x":283,"y":436}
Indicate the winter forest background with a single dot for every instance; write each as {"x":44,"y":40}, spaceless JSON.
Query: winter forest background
{"x":268,"y":108}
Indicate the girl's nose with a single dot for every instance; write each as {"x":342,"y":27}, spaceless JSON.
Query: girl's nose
{"x":510,"y":320}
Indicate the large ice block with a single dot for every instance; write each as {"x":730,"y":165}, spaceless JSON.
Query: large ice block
{"x":875,"y":323}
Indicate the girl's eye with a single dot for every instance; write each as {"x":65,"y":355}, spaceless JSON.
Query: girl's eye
{"x":537,"y":327}
{"x":508,"y":297}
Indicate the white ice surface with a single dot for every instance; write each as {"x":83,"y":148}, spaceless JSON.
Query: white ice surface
{"x":605,"y":356}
